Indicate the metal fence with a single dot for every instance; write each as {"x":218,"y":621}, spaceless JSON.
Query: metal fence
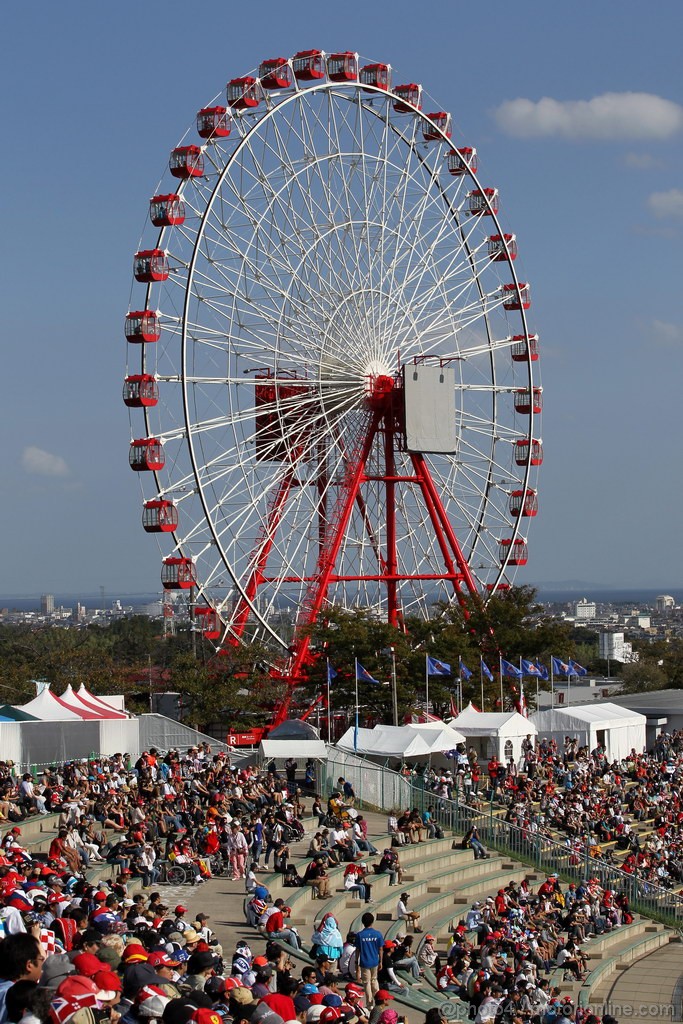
{"x":381,"y":788}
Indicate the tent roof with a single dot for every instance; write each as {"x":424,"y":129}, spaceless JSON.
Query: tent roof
{"x":294,"y":748}
{"x":294,"y":729}
{"x":93,"y":708}
{"x":585,"y":715}
{"x":48,"y":707}
{"x":487,"y":723}
{"x":102,"y":703}
{"x":416,"y":740}
{"x":15,"y":715}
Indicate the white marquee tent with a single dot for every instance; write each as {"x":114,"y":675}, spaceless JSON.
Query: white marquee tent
{"x":417,"y":740}
{"x":619,"y":730}
{"x":499,"y":733}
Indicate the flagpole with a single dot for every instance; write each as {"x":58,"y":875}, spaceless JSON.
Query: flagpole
{"x":329,"y":710}
{"x":394,"y":686}
{"x":355,"y":730}
{"x":500,"y":669}
{"x":552,"y":684}
{"x":427,"y":681}
{"x":481,"y":681}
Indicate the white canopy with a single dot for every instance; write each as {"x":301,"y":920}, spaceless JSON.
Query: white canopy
{"x":619,"y":730}
{"x":48,"y":707}
{"x":422,"y":739}
{"x":111,"y":701}
{"x":316,"y":749}
{"x":494,"y":733}
{"x":95,"y":707}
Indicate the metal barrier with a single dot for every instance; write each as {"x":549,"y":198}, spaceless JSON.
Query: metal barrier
{"x":383,"y":789}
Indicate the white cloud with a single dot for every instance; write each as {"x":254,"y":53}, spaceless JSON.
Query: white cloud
{"x":40,"y":463}
{"x":611,"y":116}
{"x":670,"y":335}
{"x":666,"y":204}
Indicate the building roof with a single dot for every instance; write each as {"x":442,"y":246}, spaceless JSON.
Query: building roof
{"x":652,"y":701}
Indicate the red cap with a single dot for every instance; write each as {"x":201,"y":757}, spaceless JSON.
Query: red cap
{"x":134,"y":953}
{"x":100,"y":897}
{"x":329,"y":1014}
{"x":161,"y":960}
{"x":354,"y":990}
{"x":180,"y":909}
{"x":260,"y":961}
{"x":107,"y":981}
{"x":16,"y":831}
{"x":206,"y":1016}
{"x":383,"y":995}
{"x":88,"y":964}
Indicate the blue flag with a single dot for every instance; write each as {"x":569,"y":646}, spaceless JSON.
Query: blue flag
{"x":486,"y":670}
{"x":542,"y":669}
{"x":437,"y":668}
{"x":560,"y":668}
{"x":510,"y":670}
{"x":576,"y":669}
{"x":363,"y":676}
{"x":464,"y":671}
{"x":331,"y":674}
{"x":530,"y":668}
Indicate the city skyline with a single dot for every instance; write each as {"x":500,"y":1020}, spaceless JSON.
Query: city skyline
{"x":577,"y":121}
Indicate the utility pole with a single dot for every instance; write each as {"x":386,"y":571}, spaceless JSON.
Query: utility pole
{"x":394,"y":687}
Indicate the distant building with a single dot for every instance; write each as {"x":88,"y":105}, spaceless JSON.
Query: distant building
{"x":612,"y":646}
{"x":585,"y":609}
{"x":47,"y":604}
{"x":664,"y":604}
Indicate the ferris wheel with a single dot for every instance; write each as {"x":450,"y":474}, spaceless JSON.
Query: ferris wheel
{"x":332,"y":383}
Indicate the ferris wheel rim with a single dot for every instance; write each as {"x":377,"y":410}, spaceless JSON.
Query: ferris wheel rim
{"x":270,"y":113}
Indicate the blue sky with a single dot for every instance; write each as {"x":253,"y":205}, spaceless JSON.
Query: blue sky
{"x":95,"y":97}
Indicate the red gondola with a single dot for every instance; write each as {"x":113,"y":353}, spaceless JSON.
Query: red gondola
{"x":142,"y":326}
{"x":522,"y":452}
{"x":525,"y":347}
{"x":178,"y":574}
{"x":483,"y":201}
{"x":408,"y":97}
{"x":140,"y":390}
{"x":502,"y":247}
{"x":159,"y":516}
{"x":213,"y":122}
{"x":342,"y":67}
{"x":165,"y":211}
{"x":309,"y":65}
{"x":146,"y":454}
{"x":244,"y":93}
{"x":150,"y":265}
{"x":529,"y":403}
{"x":516,"y":549}
{"x":275,"y":73}
{"x":524,"y":503}
{"x":378,"y":75}
{"x":211,"y":626}
{"x":514,"y":298}
{"x":440,"y":126}
{"x":460,"y":161}
{"x":187,"y":162}
{"x":501,"y":587}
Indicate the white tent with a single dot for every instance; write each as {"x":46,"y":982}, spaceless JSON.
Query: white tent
{"x":48,"y":707}
{"x":499,"y":733}
{"x":619,"y":730}
{"x":422,"y":740}
{"x":80,"y":701}
{"x":298,"y":749}
{"x":115,"y":701}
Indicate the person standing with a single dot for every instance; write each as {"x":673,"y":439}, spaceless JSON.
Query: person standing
{"x":369,"y":945}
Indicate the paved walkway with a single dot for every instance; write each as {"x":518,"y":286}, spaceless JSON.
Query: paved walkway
{"x":223,"y":900}
{"x":651,"y":988}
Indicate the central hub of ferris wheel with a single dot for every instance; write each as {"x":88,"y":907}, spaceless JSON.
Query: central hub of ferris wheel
{"x":379,"y":385}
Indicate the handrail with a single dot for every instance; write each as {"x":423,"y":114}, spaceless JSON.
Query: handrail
{"x":372,"y":782}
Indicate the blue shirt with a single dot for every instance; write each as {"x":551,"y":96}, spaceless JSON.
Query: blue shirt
{"x":369,"y":943}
